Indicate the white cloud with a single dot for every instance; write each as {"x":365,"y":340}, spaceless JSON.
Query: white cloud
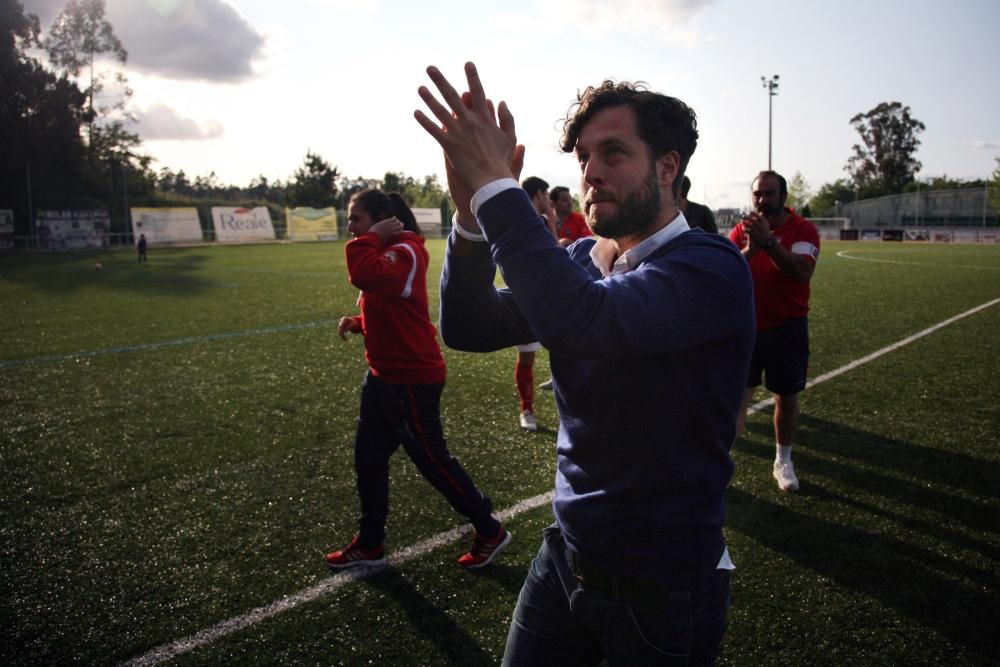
{"x":598,"y":18}
{"x":365,"y":6}
{"x":205,"y":40}
{"x":989,"y":145}
{"x":160,"y":122}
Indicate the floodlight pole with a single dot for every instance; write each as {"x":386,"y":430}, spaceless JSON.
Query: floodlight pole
{"x":771,"y":85}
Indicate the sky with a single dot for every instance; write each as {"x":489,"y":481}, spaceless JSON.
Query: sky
{"x":244,"y":88}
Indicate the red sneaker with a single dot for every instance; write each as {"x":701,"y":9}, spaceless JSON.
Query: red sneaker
{"x":484,"y":550}
{"x":355,"y":554}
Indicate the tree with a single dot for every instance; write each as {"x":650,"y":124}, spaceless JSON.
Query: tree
{"x":41,"y":152}
{"x":419,"y":194}
{"x":884,"y":160}
{"x":80,"y":32}
{"x":799,"y":193}
{"x":314,"y":183}
{"x":993,"y":187}
{"x":349,"y":186}
{"x":824,"y":202}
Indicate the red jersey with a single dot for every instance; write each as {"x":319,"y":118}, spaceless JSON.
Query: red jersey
{"x":574,"y":227}
{"x":400,"y":340}
{"x":777,"y":297}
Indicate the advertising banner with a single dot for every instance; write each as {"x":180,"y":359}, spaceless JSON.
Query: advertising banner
{"x":242,"y":225}
{"x":965,"y":236}
{"x":871,"y":234}
{"x":311,"y":224}
{"x":167,"y":225}
{"x":72,"y":230}
{"x":892,"y":235}
{"x":429,"y":221}
{"x":6,"y":229}
{"x":918,"y":235}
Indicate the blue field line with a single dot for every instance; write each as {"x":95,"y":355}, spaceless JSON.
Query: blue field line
{"x":165,"y":343}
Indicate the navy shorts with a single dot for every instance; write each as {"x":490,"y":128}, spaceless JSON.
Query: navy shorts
{"x":781,"y":356}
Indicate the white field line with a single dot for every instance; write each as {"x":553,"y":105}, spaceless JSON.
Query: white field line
{"x":165,"y":343}
{"x":844,"y":255}
{"x":757,"y":407}
{"x":178,"y":647}
{"x":328,"y":585}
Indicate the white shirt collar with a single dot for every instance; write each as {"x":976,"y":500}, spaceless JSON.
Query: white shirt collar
{"x":604,"y":253}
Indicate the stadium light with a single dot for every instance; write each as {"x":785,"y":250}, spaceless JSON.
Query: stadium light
{"x":771,"y":85}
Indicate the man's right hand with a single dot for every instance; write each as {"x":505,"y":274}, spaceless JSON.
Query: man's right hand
{"x":479,"y":144}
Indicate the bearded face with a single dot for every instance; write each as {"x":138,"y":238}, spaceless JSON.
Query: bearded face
{"x":636,"y":210}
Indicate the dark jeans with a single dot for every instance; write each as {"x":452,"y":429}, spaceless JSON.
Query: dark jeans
{"x":409,"y":415}
{"x":559,"y":621}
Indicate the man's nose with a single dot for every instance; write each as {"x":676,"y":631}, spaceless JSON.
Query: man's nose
{"x":592,"y":173}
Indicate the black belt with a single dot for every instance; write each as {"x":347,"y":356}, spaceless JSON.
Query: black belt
{"x":630,"y":590}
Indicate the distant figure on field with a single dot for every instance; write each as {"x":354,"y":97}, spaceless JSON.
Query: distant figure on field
{"x":401,"y":393}
{"x":570,"y":225}
{"x":141,"y":247}
{"x":698,"y":215}
{"x":782,"y":249}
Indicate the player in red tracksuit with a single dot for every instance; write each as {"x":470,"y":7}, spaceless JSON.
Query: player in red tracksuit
{"x":401,"y":393}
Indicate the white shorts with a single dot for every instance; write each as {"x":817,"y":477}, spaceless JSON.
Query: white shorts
{"x":530,"y":347}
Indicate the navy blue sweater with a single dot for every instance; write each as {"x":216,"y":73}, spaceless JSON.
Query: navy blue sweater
{"x":649,"y":369}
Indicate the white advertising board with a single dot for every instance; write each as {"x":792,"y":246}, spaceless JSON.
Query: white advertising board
{"x":6,"y":221}
{"x":429,"y":221}
{"x":72,"y":230}
{"x":242,"y":225}
{"x":6,"y":229}
{"x":166,"y":225}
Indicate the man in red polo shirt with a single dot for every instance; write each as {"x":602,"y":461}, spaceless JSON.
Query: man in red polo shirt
{"x":569,"y":224}
{"x":782,"y":248}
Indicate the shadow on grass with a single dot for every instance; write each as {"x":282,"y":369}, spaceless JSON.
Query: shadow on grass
{"x":427,"y":618}
{"x":857,"y":531}
{"x":508,"y":576}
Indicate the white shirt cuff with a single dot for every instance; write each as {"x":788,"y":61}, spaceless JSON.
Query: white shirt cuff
{"x":489,"y":191}
{"x":465,"y":233}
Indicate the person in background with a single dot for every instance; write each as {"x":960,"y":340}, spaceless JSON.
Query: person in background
{"x":697,"y":215}
{"x":141,"y":247}
{"x":524,"y":369}
{"x":401,"y":392}
{"x":570,"y":225}
{"x":781,"y":248}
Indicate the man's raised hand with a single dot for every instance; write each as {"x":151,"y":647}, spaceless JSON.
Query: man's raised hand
{"x":479,"y":144}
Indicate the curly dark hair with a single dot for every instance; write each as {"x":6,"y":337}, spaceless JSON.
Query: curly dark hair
{"x":665,"y":123}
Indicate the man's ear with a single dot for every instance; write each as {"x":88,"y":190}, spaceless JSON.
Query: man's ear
{"x":668,"y":166}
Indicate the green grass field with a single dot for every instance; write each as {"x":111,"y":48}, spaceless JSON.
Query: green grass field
{"x":176,"y":441}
